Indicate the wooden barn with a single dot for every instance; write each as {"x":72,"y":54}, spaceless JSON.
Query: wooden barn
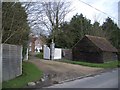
{"x":94,"y":49}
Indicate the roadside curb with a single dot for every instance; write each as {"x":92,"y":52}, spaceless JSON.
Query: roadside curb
{"x":89,"y":75}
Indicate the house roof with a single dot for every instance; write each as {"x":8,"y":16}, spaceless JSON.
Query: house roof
{"x":102,"y":43}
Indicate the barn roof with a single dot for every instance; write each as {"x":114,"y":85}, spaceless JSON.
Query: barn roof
{"x":102,"y":43}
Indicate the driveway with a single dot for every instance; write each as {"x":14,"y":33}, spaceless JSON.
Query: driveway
{"x":60,"y":71}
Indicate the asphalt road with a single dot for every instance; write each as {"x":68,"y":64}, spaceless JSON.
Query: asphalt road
{"x":104,"y":80}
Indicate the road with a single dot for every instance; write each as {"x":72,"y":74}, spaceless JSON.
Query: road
{"x":104,"y":80}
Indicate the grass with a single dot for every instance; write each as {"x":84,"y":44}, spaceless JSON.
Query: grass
{"x":111,"y":64}
{"x":30,"y":73}
{"x":39,"y":55}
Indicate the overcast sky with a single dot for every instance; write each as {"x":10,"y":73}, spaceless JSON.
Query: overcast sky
{"x":108,"y":6}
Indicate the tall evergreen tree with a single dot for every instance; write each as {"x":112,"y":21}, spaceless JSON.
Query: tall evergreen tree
{"x":71,"y":32}
{"x":112,"y":31}
{"x":80,"y":26}
{"x":65,"y":37}
{"x":97,"y":30}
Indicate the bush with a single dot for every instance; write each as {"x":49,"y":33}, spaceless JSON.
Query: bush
{"x":39,"y":55}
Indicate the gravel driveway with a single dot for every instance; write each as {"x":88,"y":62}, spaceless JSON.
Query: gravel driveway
{"x":60,"y":71}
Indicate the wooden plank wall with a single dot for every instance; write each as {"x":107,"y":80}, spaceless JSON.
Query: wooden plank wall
{"x":67,"y":54}
{"x":11,"y":61}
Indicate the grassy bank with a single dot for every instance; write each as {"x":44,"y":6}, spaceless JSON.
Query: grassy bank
{"x":111,"y":64}
{"x":30,"y":73}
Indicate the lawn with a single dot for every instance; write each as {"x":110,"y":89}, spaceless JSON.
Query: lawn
{"x":30,"y":73}
{"x":111,"y":64}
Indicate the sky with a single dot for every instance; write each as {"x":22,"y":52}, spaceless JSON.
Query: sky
{"x":110,"y":7}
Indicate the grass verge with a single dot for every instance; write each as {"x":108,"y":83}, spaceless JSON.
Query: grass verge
{"x":111,"y":64}
{"x":30,"y":73}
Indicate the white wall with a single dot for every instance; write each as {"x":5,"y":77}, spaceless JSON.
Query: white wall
{"x":46,"y":52}
{"x":58,"y":53}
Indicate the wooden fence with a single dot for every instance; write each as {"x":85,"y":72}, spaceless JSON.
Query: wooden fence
{"x":11,"y":61}
{"x":67,"y":54}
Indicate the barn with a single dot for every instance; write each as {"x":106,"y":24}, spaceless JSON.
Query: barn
{"x":94,"y":49}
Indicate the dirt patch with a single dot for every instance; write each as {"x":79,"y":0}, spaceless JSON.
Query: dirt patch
{"x":60,"y":71}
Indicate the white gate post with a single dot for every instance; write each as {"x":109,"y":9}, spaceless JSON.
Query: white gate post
{"x":52,"y":50}
{"x":26,"y":55}
{"x":119,"y":14}
{"x":0,"y":66}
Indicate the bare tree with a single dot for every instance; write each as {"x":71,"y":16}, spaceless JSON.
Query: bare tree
{"x":48,"y":15}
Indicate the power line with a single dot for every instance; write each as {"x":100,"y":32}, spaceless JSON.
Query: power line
{"x":98,"y":10}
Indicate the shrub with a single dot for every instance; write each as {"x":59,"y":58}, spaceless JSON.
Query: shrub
{"x":39,"y":55}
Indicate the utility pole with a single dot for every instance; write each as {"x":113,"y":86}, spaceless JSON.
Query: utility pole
{"x":119,"y":14}
{"x":0,"y":45}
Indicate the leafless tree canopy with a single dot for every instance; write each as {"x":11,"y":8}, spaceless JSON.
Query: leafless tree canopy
{"x":47,"y":16}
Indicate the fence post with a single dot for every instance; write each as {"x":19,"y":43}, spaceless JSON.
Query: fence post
{"x":0,"y":65}
{"x":21,"y":48}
